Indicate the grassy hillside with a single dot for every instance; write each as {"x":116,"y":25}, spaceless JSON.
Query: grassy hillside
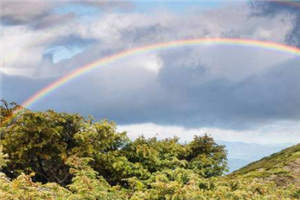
{"x":282,"y":167}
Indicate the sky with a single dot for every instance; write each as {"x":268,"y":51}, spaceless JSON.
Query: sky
{"x":236,"y":94}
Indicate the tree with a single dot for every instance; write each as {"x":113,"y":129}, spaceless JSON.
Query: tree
{"x":206,"y":157}
{"x":42,"y":142}
{"x":154,"y":154}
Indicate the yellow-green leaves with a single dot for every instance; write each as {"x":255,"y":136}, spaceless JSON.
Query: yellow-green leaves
{"x":69,"y":157}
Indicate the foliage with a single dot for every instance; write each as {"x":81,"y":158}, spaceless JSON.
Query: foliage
{"x":50,"y":155}
{"x":206,"y":157}
{"x":7,"y":110}
{"x":283,"y":167}
{"x":178,"y":184}
{"x":40,"y":142}
{"x":279,"y":159}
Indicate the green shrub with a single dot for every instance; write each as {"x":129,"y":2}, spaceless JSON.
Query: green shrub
{"x":60,"y":156}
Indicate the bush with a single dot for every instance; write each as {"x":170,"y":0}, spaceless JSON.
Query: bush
{"x":50,"y":155}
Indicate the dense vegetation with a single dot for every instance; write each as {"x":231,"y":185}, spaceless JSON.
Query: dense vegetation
{"x":50,"y":155}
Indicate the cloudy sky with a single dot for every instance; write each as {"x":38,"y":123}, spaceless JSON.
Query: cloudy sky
{"x":233,"y":93}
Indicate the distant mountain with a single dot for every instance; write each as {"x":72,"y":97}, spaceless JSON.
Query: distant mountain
{"x":234,"y":164}
{"x":241,"y":154}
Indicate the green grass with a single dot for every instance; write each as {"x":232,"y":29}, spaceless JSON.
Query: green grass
{"x":274,"y":167}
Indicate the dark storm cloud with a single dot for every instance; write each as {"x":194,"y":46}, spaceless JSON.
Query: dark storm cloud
{"x":260,"y":98}
{"x":18,"y":88}
{"x":272,"y":95}
{"x":184,"y":92}
{"x":52,"y":20}
{"x":281,"y":6}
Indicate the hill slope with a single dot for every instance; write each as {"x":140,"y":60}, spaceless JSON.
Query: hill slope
{"x":282,"y":167}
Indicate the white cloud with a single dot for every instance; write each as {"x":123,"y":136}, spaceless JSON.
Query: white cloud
{"x":277,"y":133}
{"x":19,"y":50}
{"x":23,"y":46}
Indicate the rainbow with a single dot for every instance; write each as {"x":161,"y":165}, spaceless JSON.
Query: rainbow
{"x":158,"y":46}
